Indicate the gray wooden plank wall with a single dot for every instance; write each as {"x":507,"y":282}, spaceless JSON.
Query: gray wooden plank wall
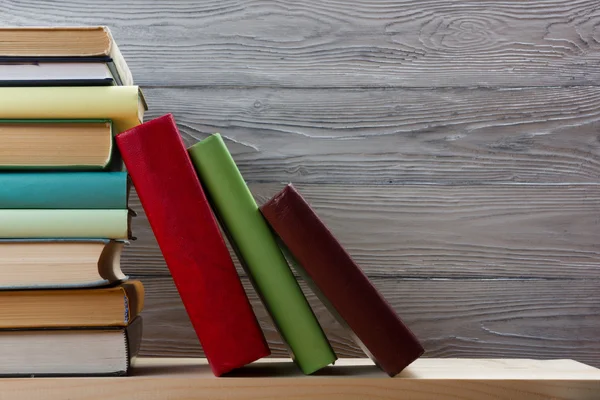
{"x":453,"y":146}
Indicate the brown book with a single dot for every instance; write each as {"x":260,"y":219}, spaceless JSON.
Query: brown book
{"x":114,"y":306}
{"x":340,"y":283}
{"x":55,"y":41}
{"x":63,"y":44}
{"x":56,"y":145}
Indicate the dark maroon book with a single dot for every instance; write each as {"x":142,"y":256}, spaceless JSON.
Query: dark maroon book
{"x":340,"y":283}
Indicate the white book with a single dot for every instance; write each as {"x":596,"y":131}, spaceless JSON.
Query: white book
{"x":69,"y":352}
{"x":56,"y":73}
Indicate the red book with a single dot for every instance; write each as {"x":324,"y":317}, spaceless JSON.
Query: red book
{"x":344,"y":288}
{"x":192,"y":245}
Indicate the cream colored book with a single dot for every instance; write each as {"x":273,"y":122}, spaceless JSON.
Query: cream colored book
{"x":25,"y":224}
{"x":124,"y":105}
{"x":69,"y":352}
{"x":55,"y":263}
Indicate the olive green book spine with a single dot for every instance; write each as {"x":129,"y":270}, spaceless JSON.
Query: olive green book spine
{"x":260,"y":254}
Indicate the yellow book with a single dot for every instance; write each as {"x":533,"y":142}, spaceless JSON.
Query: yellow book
{"x":124,"y":105}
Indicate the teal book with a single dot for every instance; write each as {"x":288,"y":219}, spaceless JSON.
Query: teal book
{"x":260,"y":254}
{"x":64,"y":190}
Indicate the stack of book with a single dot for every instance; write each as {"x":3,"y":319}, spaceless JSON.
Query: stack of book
{"x":66,"y":308}
{"x":181,"y":190}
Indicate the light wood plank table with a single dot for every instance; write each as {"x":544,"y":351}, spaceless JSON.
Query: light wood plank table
{"x":427,"y":378}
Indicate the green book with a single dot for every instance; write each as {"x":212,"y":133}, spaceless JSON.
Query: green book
{"x":260,"y":254}
{"x":40,"y":224}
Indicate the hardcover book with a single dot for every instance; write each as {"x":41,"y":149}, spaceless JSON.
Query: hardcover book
{"x":55,"y":144}
{"x":64,"y":190}
{"x":124,"y":105}
{"x":69,"y":224}
{"x":259,"y":253}
{"x":102,"y":351}
{"x":192,"y":245}
{"x":53,"y":263}
{"x":99,"y":307}
{"x":64,"y":44}
{"x":44,"y":73}
{"x":340,"y":283}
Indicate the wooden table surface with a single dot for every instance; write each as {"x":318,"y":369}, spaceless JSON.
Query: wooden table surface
{"x":453,"y":146}
{"x":349,"y":379}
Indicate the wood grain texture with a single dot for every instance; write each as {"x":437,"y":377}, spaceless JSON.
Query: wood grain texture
{"x":544,"y":319}
{"x":450,"y":136}
{"x":366,"y":43}
{"x":448,"y":379}
{"x":484,"y":231}
{"x":349,"y":368}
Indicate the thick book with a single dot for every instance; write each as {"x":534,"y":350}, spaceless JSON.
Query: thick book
{"x":103,"y":351}
{"x":44,"y":224}
{"x":60,"y":264}
{"x":56,"y":144}
{"x":124,"y":105}
{"x":111,"y":306}
{"x":77,"y":44}
{"x":192,"y":245}
{"x":340,"y":283}
{"x":64,"y":190}
{"x":258,"y":251}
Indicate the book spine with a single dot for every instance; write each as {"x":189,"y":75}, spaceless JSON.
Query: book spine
{"x":62,"y":190}
{"x":124,"y":74}
{"x":24,"y":224}
{"x":192,"y":245}
{"x":259,"y":252}
{"x":354,"y":300}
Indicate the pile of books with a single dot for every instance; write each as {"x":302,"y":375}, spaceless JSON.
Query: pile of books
{"x":66,"y":308}
{"x":181,"y":188}
{"x":69,"y":117}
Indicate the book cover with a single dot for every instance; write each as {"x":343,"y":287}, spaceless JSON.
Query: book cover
{"x":192,"y":245}
{"x":258,"y":251}
{"x":70,"y":43}
{"x":57,"y":145}
{"x":74,"y":351}
{"x":65,"y":308}
{"x":60,"y":263}
{"x":41,"y":73}
{"x":341,"y":284}
{"x":115,"y":76}
{"x":64,"y":190}
{"x":24,"y":224}
{"x":124,"y":105}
